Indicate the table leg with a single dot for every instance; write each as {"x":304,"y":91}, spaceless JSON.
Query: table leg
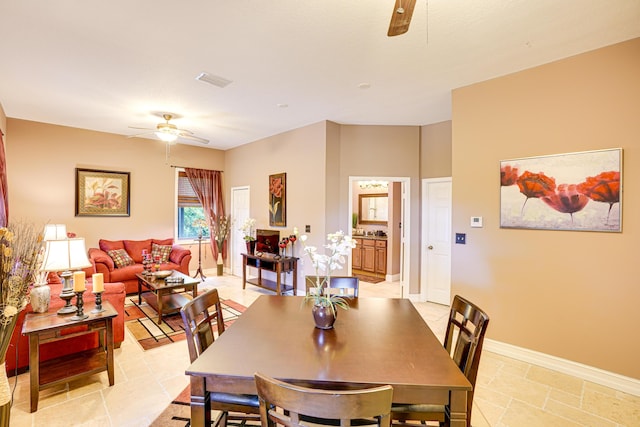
{"x":194,"y":290}
{"x":244,"y":272}
{"x":34,"y":369}
{"x":159,"y":295}
{"x":139,"y":291}
{"x":457,"y":408}
{"x":200,"y":403}
{"x":109,"y":337}
{"x":278,"y":277}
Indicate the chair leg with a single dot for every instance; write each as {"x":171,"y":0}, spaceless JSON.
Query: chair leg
{"x":222,"y":419}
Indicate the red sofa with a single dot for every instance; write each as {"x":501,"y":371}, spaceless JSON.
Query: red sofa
{"x":179,"y":259}
{"x":113,"y":292}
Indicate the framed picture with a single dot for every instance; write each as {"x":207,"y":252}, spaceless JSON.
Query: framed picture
{"x":278,"y":200}
{"x":102,"y":193}
{"x":574,"y":191}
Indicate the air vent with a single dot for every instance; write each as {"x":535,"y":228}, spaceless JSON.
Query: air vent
{"x":214,"y":80}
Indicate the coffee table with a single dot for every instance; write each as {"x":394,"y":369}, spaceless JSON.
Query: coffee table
{"x":167,"y":296}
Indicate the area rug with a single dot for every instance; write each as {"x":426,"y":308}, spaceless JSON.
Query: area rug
{"x":178,"y":414}
{"x":142,"y":321}
{"x":369,"y":279}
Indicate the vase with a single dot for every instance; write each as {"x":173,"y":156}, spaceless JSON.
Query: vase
{"x":251,"y":247}
{"x":7,"y":325}
{"x":324,"y":317}
{"x":220,"y":265}
{"x":40,"y":297}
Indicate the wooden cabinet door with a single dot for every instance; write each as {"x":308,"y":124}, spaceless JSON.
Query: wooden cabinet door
{"x":356,"y":260}
{"x":369,"y":256}
{"x":381,"y":257}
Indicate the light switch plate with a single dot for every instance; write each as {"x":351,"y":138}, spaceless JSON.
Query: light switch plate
{"x":476,"y":221}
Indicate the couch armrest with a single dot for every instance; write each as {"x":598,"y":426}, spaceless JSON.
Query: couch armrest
{"x":178,"y":253}
{"x":102,"y":263}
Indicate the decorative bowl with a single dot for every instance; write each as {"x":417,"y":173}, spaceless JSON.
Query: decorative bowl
{"x":163,"y":274}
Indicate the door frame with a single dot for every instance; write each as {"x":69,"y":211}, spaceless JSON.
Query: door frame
{"x":405,"y":215}
{"x":423,"y":234}
{"x":233,"y":244}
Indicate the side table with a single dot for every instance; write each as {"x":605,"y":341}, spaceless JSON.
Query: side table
{"x":47,"y":327}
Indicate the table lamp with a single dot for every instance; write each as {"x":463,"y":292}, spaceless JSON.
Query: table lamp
{"x":65,"y":255}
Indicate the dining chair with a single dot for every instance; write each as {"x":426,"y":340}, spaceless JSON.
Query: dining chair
{"x":463,"y":341}
{"x":345,"y":286}
{"x":198,"y":316}
{"x":287,"y":404}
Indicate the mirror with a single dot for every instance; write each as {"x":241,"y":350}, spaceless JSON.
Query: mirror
{"x":374,"y":208}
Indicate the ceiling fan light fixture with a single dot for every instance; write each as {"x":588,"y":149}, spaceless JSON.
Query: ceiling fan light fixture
{"x":167,"y":136}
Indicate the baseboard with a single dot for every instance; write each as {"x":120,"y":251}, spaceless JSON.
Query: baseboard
{"x":589,"y":373}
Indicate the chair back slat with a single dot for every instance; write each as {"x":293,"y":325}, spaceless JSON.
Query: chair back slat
{"x":345,"y":286}
{"x":198,"y":316}
{"x":286,"y":404}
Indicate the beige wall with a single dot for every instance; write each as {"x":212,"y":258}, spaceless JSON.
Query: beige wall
{"x":569,"y":294}
{"x":435,"y":150}
{"x":41,"y":162}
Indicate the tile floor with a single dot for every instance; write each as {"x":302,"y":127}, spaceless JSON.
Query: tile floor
{"x":509,"y":392}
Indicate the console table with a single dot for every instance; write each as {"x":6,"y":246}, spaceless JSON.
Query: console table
{"x":48,"y":327}
{"x":278,"y":266}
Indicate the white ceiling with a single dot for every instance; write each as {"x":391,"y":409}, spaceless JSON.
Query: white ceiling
{"x":106,"y":65}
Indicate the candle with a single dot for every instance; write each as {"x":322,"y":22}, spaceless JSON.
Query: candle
{"x":78,"y":281}
{"x":98,"y":282}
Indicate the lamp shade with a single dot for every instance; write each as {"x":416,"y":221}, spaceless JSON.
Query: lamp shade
{"x":62,"y":255}
{"x":55,"y":232}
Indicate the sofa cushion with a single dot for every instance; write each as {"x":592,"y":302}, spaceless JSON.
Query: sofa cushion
{"x":168,"y":242}
{"x":135,"y":248}
{"x":120,"y":258}
{"x":161,"y":251}
{"x":110,"y":245}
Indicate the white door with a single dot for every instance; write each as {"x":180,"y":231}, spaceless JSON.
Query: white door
{"x":436,"y":240}
{"x":240,"y":202}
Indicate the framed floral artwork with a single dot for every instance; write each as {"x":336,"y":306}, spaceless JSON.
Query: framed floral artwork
{"x":278,"y":200}
{"x":574,"y":191}
{"x":102,"y":193}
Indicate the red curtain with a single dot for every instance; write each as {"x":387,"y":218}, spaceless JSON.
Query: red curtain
{"x":4,"y":201}
{"x":207,"y":185}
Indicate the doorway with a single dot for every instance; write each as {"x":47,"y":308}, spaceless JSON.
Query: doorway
{"x":435,"y":272}
{"x":240,"y":204}
{"x":398,"y":228}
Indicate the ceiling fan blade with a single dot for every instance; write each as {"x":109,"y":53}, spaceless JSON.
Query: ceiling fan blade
{"x":141,"y":134}
{"x":193,"y":137}
{"x":136,"y":127}
{"x":401,"y":17}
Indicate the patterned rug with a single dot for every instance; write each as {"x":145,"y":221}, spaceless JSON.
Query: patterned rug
{"x":142,"y":321}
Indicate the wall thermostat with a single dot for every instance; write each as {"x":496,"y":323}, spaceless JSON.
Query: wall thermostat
{"x":476,"y":221}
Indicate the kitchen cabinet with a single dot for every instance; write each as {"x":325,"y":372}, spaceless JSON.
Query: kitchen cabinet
{"x":356,"y":260}
{"x":370,"y":254}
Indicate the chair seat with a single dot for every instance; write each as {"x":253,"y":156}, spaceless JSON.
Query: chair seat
{"x":236,"y":399}
{"x":417,"y":408}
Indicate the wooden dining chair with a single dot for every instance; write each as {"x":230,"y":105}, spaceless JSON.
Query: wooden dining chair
{"x":287,"y":404}
{"x":463,"y":341}
{"x":199,"y":316}
{"x":345,"y":286}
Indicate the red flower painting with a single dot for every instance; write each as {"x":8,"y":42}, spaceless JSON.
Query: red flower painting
{"x":535,"y":185}
{"x":508,"y":175}
{"x":604,"y":188}
{"x":566,"y":199}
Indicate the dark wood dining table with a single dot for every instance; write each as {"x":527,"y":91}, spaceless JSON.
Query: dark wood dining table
{"x":377,"y":341}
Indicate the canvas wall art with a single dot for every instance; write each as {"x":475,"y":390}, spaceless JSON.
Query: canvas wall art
{"x":278,"y":200}
{"x":573,"y":191}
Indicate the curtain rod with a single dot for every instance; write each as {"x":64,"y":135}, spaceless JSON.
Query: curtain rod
{"x":189,"y":167}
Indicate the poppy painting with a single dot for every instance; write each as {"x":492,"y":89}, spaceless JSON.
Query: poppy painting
{"x":277,"y":200}
{"x":102,"y":193}
{"x":573,"y":191}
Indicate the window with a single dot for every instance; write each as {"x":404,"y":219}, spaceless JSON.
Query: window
{"x":189,"y":210}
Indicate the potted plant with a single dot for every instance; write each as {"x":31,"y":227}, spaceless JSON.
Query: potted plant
{"x":220,"y":232}
{"x":247,"y":234}
{"x":325,"y":303}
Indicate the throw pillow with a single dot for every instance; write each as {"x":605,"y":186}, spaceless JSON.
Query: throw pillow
{"x":120,"y":258}
{"x":162,"y":251}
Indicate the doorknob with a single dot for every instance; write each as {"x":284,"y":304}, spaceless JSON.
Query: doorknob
{"x":430,"y":247}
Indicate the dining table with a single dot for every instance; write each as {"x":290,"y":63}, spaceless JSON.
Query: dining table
{"x":377,"y":341}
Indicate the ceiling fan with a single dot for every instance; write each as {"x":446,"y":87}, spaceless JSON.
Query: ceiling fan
{"x":168,"y":132}
{"x":401,"y":17}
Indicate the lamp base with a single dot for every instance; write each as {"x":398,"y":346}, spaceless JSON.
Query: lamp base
{"x":67,"y":294}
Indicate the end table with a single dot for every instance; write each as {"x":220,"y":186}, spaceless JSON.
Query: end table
{"x":47,"y":327}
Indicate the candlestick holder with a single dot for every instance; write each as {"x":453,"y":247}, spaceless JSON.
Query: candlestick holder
{"x":98,"y":308}
{"x":79,"y":307}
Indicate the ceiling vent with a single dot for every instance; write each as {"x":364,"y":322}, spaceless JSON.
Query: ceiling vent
{"x":214,"y":80}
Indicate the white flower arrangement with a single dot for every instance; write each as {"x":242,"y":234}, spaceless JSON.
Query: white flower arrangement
{"x":247,"y":229}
